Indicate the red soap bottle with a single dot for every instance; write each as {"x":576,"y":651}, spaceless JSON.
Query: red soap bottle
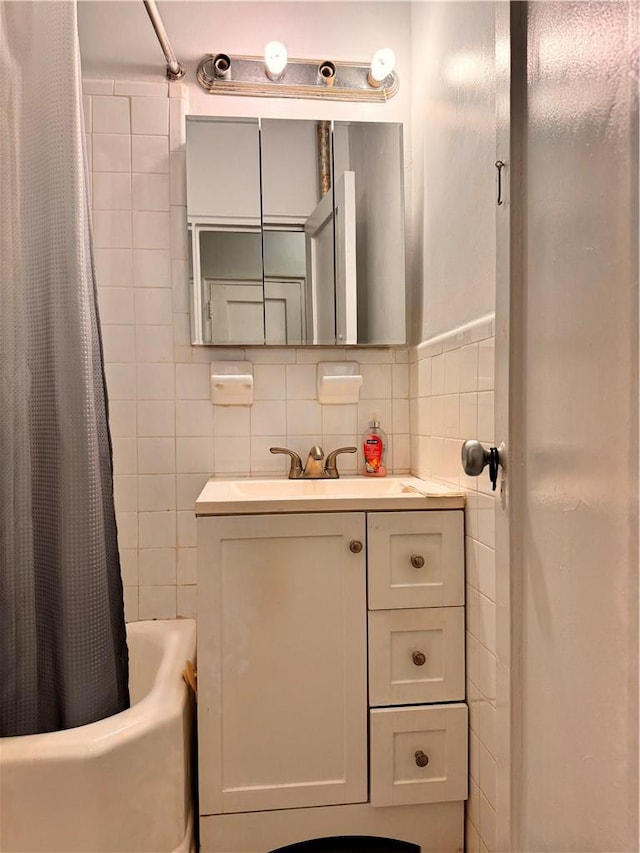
{"x":374,"y":450}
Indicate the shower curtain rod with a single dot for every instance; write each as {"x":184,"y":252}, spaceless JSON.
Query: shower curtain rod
{"x":175,"y":69}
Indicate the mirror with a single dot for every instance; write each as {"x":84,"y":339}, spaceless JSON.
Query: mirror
{"x":296,"y":232}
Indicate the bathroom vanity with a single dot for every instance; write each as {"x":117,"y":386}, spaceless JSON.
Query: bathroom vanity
{"x":331,"y":680}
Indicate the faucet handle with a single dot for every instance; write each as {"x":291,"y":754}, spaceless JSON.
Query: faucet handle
{"x":295,"y":469}
{"x":331,"y":467}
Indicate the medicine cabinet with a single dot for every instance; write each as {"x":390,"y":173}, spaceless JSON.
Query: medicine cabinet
{"x":296,"y":232}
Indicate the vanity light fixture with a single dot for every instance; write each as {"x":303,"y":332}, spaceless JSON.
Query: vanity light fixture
{"x":275,"y":60}
{"x":222,"y":66}
{"x":277,"y":76}
{"x":327,"y":72}
{"x":382,"y":65}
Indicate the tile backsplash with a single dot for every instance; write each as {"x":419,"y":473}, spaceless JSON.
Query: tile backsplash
{"x":168,"y":438}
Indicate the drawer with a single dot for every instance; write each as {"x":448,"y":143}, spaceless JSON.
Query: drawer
{"x":416,"y":559}
{"x":418,"y":755}
{"x":416,"y":656}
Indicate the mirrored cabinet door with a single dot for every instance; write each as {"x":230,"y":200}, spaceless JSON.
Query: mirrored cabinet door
{"x":369,"y":228}
{"x":225,"y":227}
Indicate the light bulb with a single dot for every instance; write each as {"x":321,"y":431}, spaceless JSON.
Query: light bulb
{"x":275,"y":59}
{"x":382,"y":64}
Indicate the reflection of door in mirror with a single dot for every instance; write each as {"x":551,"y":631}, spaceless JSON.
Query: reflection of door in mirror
{"x":318,"y":230}
{"x":346,"y":278}
{"x":230,"y":269}
{"x":293,"y":203}
{"x":284,"y":286}
{"x":330,"y":233}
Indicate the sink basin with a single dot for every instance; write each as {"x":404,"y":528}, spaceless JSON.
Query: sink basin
{"x":223,"y":497}
{"x":365,"y":487}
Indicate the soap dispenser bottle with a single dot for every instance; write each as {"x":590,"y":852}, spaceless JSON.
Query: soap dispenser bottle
{"x":374,"y":450}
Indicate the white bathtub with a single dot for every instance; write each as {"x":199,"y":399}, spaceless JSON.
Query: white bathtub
{"x":121,"y":785}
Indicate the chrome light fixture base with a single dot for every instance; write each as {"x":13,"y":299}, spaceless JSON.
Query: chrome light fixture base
{"x":302,"y":78}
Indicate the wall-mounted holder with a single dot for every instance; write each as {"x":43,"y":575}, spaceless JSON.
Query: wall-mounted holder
{"x":232,"y":383}
{"x":221,"y":74}
{"x":338,"y":383}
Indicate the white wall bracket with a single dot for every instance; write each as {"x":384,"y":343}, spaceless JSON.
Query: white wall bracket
{"x":232,"y":383}
{"x":338,"y":382}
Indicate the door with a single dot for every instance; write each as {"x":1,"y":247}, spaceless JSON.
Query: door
{"x":331,"y":274}
{"x":508,"y":72}
{"x":236,"y":311}
{"x":319,"y":243}
{"x":567,"y":408}
{"x":284,"y":311}
{"x":282,"y":702}
{"x":346,"y":275}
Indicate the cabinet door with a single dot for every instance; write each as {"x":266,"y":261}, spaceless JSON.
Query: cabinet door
{"x":282,"y":701}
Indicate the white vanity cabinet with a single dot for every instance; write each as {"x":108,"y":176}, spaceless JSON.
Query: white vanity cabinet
{"x":331,"y":674}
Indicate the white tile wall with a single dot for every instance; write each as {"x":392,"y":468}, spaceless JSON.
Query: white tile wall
{"x":451,"y":384}
{"x":167,"y":437}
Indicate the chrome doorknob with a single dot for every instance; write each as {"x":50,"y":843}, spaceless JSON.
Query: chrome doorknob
{"x":474,"y":458}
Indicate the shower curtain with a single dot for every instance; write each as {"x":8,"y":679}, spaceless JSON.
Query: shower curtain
{"x":63,"y":653}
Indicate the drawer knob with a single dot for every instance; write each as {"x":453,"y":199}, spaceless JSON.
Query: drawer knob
{"x":417,"y":561}
{"x":355,"y":546}
{"x":421,"y":759}
{"x":419,"y":658}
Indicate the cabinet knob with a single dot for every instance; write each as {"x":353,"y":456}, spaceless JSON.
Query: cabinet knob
{"x":421,"y":759}
{"x":419,"y":658}
{"x":417,"y":561}
{"x":355,"y":546}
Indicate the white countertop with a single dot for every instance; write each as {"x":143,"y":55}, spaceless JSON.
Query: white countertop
{"x":347,"y":494}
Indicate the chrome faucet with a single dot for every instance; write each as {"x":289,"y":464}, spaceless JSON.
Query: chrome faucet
{"x":313,"y":469}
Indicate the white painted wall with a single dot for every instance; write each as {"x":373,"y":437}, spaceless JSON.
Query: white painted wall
{"x":453,"y":143}
{"x":575,"y":472}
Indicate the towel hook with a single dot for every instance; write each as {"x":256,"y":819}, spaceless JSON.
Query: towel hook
{"x":499,"y":167}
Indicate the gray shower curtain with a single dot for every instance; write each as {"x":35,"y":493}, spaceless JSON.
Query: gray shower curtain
{"x":63,"y":653}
